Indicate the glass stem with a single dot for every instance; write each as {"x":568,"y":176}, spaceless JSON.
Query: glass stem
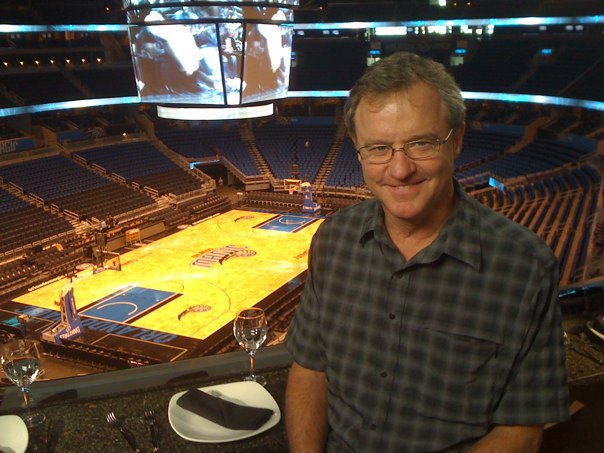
{"x":252,"y":353}
{"x":26,"y":398}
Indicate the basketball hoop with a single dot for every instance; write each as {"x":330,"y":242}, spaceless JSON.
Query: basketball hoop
{"x":292,"y":185}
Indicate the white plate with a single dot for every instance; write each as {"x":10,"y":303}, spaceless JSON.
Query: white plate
{"x":597,"y":333}
{"x":13,"y":434}
{"x":194,"y":427}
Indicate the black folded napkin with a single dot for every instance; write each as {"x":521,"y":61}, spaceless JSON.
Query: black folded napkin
{"x":222,"y":412}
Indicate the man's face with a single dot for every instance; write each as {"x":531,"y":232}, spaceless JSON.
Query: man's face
{"x":413,"y":193}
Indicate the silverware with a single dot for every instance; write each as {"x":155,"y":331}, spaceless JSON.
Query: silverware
{"x":586,"y":354}
{"x":149,"y":417}
{"x":53,"y":434}
{"x":49,"y":447}
{"x":115,"y":423}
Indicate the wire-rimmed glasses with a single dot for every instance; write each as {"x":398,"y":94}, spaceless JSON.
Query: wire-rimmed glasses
{"x":250,"y":329}
{"x":421,"y":149}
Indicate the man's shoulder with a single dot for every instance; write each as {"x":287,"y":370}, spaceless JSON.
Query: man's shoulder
{"x":507,"y":234}
{"x":349,"y":218}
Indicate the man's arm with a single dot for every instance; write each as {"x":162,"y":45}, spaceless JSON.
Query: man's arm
{"x":306,"y":410}
{"x":510,"y":438}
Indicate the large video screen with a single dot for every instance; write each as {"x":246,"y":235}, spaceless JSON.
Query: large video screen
{"x":177,"y":63}
{"x":190,"y":13}
{"x":268,"y":49}
{"x":209,"y":55}
{"x":231,"y":53}
{"x":146,"y":3}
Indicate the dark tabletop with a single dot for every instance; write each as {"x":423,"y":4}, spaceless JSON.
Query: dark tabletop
{"x":82,"y":425}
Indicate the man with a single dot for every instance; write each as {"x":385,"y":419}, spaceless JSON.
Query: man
{"x":428,"y":322}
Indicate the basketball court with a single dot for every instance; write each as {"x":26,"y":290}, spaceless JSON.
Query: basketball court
{"x":182,"y":287}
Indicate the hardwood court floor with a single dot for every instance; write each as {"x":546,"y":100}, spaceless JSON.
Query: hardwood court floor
{"x":227,"y":286}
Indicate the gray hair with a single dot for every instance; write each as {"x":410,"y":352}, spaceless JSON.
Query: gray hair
{"x":398,"y":72}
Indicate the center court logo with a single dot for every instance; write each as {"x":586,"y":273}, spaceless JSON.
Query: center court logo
{"x":208,"y":259}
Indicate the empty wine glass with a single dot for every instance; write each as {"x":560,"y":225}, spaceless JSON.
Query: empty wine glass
{"x":21,"y":364}
{"x":250,"y":328}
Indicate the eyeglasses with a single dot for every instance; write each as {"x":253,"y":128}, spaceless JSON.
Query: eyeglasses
{"x":421,"y":149}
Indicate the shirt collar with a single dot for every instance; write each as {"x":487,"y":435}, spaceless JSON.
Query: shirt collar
{"x":459,"y":238}
{"x":373,"y":223}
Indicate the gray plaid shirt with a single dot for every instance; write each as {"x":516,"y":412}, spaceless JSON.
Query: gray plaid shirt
{"x":429,"y":354}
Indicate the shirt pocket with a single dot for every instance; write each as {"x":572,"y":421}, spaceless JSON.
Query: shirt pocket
{"x":452,"y":373}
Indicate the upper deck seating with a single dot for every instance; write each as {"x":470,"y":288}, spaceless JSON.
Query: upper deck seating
{"x":61,"y":181}
{"x":42,"y":87}
{"x":23,"y":223}
{"x":346,"y":171}
{"x":304,"y":145}
{"x":141,"y":162}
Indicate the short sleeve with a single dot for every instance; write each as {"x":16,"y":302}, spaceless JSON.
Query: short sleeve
{"x":537,"y":388}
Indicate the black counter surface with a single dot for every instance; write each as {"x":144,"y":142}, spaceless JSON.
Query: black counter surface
{"x":78,"y":406}
{"x":84,"y":427}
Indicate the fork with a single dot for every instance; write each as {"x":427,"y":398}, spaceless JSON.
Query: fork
{"x":149,"y":417}
{"x":49,"y":446}
{"x":586,"y":354}
{"x":115,"y":423}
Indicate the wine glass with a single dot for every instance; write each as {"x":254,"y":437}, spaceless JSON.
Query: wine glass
{"x":250,"y":328}
{"x":21,"y":364}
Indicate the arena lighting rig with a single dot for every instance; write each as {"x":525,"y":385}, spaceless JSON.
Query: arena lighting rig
{"x":236,"y":103}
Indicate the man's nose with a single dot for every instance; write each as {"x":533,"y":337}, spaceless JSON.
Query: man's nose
{"x":400,"y":165}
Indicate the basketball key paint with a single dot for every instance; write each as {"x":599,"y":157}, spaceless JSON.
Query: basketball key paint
{"x":104,"y":326}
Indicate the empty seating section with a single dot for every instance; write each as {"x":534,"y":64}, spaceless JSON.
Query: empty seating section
{"x":61,"y":181}
{"x":130,"y":160}
{"x":52,"y":177}
{"x":525,"y":117}
{"x":212,"y":142}
{"x":590,"y":177}
{"x":275,"y":199}
{"x":346,"y":171}
{"x":192,"y":143}
{"x":107,"y":82}
{"x":79,"y":13}
{"x":495,"y":66}
{"x":14,"y":274}
{"x":569,"y":61}
{"x":23,"y":224}
{"x":144,"y":164}
{"x":10,"y":202}
{"x":537,"y":156}
{"x":479,"y":147}
{"x":41,"y":88}
{"x":201,"y":207}
{"x":192,"y":210}
{"x":562,"y":123}
{"x":17,"y":16}
{"x":589,"y":86}
{"x":502,"y":63}
{"x":303,"y":144}
{"x":176,"y":182}
{"x":5,"y":102}
{"x":7,"y":132}
{"x":559,"y":208}
{"x":111,"y":199}
{"x":230,"y":145}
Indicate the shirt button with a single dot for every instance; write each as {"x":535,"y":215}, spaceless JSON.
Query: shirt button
{"x":384,"y":374}
{"x":372,"y":427}
{"x":392,"y":316}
